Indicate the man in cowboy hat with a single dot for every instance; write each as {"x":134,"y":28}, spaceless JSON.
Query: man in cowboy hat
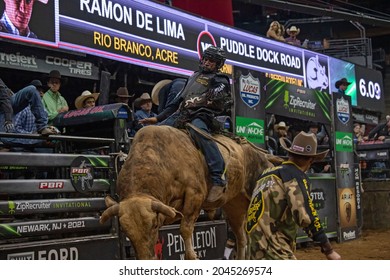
{"x":342,"y":85}
{"x":144,"y":102}
{"x":293,"y":32}
{"x":122,"y":95}
{"x":54,"y":102}
{"x":86,"y":100}
{"x":281,"y":204}
{"x":281,"y":131}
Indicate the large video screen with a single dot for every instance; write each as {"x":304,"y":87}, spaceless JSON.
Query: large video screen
{"x":159,"y":37}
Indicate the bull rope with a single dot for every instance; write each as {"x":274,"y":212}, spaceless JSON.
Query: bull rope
{"x":239,"y":140}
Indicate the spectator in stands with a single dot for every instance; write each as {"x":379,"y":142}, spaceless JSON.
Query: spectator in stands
{"x":342,"y":85}
{"x":53,"y":101}
{"x":122,"y":95}
{"x":380,"y":132}
{"x":11,"y":104}
{"x":281,"y":132}
{"x":317,"y":129}
{"x":293,"y":32}
{"x":164,"y":94}
{"x":145,"y":103}
{"x":38,"y":85}
{"x":16,"y":17}
{"x":86,"y":100}
{"x":357,"y":133}
{"x":276,"y":31}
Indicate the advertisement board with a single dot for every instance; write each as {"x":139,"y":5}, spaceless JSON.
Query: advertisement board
{"x":297,"y":102}
{"x":249,"y":105}
{"x":347,"y":191}
{"x":159,"y":37}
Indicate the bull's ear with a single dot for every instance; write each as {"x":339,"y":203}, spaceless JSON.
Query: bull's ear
{"x":160,"y":207}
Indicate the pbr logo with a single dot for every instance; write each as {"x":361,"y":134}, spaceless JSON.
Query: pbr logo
{"x":250,"y":90}
{"x":342,"y":110}
{"x":81,"y":174}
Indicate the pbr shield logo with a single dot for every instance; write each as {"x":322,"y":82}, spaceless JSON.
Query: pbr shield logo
{"x":250,"y":90}
{"x":342,"y":110}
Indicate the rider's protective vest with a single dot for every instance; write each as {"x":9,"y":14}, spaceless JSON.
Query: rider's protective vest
{"x":206,"y":92}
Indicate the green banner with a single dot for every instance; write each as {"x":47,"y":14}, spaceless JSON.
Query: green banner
{"x":251,"y":129}
{"x":344,"y":141}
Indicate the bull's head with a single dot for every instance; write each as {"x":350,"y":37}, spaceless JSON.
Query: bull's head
{"x":141,"y":217}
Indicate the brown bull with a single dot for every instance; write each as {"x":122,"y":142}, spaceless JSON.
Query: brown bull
{"x":165,"y":178}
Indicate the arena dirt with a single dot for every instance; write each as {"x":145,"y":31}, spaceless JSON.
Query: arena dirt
{"x":372,"y":245}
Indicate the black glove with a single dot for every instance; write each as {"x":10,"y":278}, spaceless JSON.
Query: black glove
{"x":9,"y":126}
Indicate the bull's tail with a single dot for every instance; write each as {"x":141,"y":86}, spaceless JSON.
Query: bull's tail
{"x":111,"y":211}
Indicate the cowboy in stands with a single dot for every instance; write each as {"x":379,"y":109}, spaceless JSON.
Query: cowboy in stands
{"x":281,"y":204}
{"x":204,"y":97}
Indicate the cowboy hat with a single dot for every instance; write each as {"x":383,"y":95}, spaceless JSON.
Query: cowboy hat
{"x":281,"y":125}
{"x":293,"y":29}
{"x":304,"y":144}
{"x":343,"y":81}
{"x":145,"y":97}
{"x":156,"y":90}
{"x":79,"y":102}
{"x":122,"y":92}
{"x":57,"y":75}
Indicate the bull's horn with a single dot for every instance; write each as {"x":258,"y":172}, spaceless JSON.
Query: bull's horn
{"x":109,"y":212}
{"x":160,"y":207}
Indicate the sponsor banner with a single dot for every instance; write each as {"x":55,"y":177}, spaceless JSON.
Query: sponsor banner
{"x":249,"y":105}
{"x":250,"y":90}
{"x":208,"y":240}
{"x":24,"y":207}
{"x":92,"y":115}
{"x":66,"y":249}
{"x":344,"y":141}
{"x":53,"y":186}
{"x":323,"y":195}
{"x":345,"y":166}
{"x":50,"y":227}
{"x":358,"y":193}
{"x":264,"y":54}
{"x":251,"y":129}
{"x":366,"y":118}
{"x":44,"y":62}
{"x":373,"y":155}
{"x":347,"y":208}
{"x":289,"y":100}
